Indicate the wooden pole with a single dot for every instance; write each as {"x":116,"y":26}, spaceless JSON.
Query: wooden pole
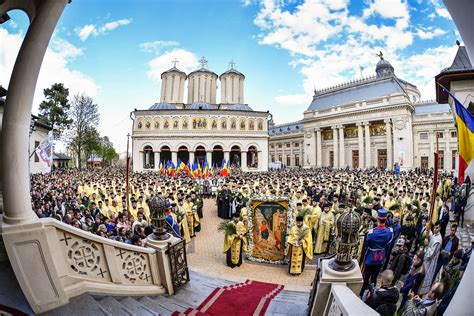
{"x":127,"y":171}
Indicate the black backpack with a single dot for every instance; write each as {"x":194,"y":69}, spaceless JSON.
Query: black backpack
{"x":407,"y":265}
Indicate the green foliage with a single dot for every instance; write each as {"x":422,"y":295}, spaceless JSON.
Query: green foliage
{"x":394,"y":207}
{"x":368,"y":200}
{"x":54,"y":111}
{"x":305,"y":212}
{"x":227,"y":227}
{"x":302,"y":233}
{"x":106,"y":150}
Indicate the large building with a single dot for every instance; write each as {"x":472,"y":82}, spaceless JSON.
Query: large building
{"x":371,"y":122}
{"x":200,"y":129}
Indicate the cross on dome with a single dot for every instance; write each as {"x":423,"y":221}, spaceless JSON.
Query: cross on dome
{"x":232,"y":64}
{"x":175,"y":62}
{"x":380,"y":55}
{"x":203,"y":62}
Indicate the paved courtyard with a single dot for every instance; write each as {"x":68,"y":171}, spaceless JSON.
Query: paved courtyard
{"x":205,"y":255}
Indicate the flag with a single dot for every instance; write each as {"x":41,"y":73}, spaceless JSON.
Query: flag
{"x":162,"y":170}
{"x":224,"y":169}
{"x":465,"y":125}
{"x":187,"y":167}
{"x":44,"y":151}
{"x":205,"y":169}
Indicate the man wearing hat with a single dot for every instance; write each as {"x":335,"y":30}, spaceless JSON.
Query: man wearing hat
{"x":235,"y":243}
{"x":300,"y":246}
{"x":376,"y":244}
{"x":323,"y":229}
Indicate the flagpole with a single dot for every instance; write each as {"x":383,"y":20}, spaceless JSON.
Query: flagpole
{"x":435,"y":182}
{"x":127,"y":171}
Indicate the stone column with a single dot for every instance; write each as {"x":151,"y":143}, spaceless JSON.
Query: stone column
{"x":432,"y":149}
{"x":243,"y":160}
{"x":14,"y":162}
{"x":360,"y":135}
{"x":342,"y":151}
{"x":209,"y":157}
{"x":368,"y":151}
{"x":147,"y":157}
{"x":319,"y":148}
{"x":174,"y":157}
{"x":227,"y":156}
{"x":191,"y":157}
{"x":388,"y":133}
{"x":259,"y":159}
{"x":447,"y":151}
{"x":334,"y":146}
{"x":157,"y":160}
{"x":140,"y":160}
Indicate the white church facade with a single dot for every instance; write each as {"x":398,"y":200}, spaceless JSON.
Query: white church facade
{"x":371,"y":122}
{"x":200,"y":129}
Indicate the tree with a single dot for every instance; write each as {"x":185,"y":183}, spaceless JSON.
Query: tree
{"x":83,"y":136}
{"x":54,"y":111}
{"x":107,"y":150}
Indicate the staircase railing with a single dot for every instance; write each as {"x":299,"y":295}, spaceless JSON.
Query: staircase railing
{"x":342,"y":301}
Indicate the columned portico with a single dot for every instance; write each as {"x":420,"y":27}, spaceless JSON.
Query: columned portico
{"x":243,"y":163}
{"x":335,"y":147}
{"x":388,"y":133}
{"x":368,"y":162}
{"x":360,"y":136}
{"x":342,"y":163}
{"x":209,"y":157}
{"x":191,"y":157}
{"x":319,"y":150}
{"x":227,"y":156}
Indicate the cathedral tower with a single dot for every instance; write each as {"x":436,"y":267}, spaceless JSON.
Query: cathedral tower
{"x":172,"y":85}
{"x":232,"y":86}
{"x":202,"y":85}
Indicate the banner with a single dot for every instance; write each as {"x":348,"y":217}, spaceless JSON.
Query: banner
{"x":44,"y":151}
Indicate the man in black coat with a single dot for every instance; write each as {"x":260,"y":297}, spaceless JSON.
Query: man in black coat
{"x":224,"y":203}
{"x":384,"y":299}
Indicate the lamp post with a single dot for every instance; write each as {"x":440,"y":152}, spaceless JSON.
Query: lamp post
{"x":158,"y":217}
{"x":347,"y":240}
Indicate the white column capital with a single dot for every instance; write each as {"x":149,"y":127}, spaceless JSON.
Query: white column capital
{"x":366,"y":123}
{"x":387,"y":121}
{"x":334,"y":127}
{"x":360,"y":123}
{"x":317,"y":129}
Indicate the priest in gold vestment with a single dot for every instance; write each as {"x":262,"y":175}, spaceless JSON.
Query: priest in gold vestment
{"x":235,"y":242}
{"x":300,"y":246}
{"x":323,"y":229}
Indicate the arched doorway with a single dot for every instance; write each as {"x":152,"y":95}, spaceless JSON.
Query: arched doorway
{"x":235,"y":156}
{"x":183,"y":154}
{"x":165,"y":155}
{"x":148,"y":158}
{"x":252,"y":157}
{"x":200,"y":155}
{"x":217,"y":155}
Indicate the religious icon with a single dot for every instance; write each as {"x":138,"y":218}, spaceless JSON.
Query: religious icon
{"x":233,"y":124}
{"x":139,"y":125}
{"x":185,"y":124}
{"x":175,"y":124}
{"x":224,"y":124}
{"x":242,"y":124}
{"x":260,"y":125}
{"x":157,"y":124}
{"x":166,"y":124}
{"x":199,"y":123}
{"x":148,"y":125}
{"x":214,"y":124}
{"x":251,"y":125}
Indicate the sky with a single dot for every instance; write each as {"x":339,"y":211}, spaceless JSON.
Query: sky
{"x":116,"y":50}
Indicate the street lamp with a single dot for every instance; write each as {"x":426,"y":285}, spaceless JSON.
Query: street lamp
{"x":158,"y":217}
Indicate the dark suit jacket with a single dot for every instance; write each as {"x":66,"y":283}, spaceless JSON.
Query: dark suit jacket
{"x":454,"y":247}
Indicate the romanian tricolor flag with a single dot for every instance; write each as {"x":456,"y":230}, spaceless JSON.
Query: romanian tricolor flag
{"x":465,"y":125}
{"x":224,"y":169}
{"x":161,"y":168}
{"x":205,"y":171}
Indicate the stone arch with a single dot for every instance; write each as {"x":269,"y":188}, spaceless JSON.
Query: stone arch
{"x":254,"y":145}
{"x":142,"y":147}
{"x":252,"y":156}
{"x":148,"y":156}
{"x":235,"y":155}
{"x":181,"y":144}
{"x":183,"y":153}
{"x":238,"y":144}
{"x":200,"y":144}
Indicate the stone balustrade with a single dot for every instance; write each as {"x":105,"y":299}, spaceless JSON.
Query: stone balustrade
{"x":54,"y":262}
{"x":342,"y":301}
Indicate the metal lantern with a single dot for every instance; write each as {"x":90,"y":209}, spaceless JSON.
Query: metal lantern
{"x":347,"y":241}
{"x":157,"y":209}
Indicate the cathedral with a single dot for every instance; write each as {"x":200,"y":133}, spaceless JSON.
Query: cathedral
{"x":200,"y":129}
{"x":371,"y":122}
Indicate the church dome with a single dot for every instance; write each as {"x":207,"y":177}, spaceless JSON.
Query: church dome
{"x":162,"y":106}
{"x":384,"y":68}
{"x":239,"y":107}
{"x":200,"y":106}
{"x":232,"y":71}
{"x":205,"y":70}
{"x":173,"y":70}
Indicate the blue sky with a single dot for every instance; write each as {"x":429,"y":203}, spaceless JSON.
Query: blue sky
{"x":115,"y":50}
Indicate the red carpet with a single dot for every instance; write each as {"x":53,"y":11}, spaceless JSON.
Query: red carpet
{"x":249,"y":298}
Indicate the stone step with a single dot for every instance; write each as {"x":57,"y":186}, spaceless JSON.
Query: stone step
{"x":136,"y":307}
{"x":155,"y":306}
{"x":190,"y":297}
{"x":170,"y":303}
{"x":114,"y":307}
{"x":79,"y":306}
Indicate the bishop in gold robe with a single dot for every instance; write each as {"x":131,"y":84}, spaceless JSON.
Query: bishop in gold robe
{"x":235,"y":244}
{"x":300,"y":246}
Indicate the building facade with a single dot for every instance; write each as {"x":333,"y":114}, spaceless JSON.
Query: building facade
{"x":200,"y":129}
{"x":371,"y":122}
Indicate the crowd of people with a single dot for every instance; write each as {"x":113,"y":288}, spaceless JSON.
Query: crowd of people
{"x":404,"y":244}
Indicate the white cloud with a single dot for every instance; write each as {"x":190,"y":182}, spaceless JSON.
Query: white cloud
{"x":55,"y":67}
{"x":440,"y":9}
{"x":85,"y":31}
{"x":188,"y":61}
{"x":429,"y":33}
{"x":90,"y":29}
{"x":157,"y":46}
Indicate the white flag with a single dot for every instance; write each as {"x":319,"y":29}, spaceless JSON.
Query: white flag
{"x":44,"y":151}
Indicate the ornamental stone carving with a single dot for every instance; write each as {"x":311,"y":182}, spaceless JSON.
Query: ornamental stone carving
{"x":400,"y":124}
{"x":135,"y":267}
